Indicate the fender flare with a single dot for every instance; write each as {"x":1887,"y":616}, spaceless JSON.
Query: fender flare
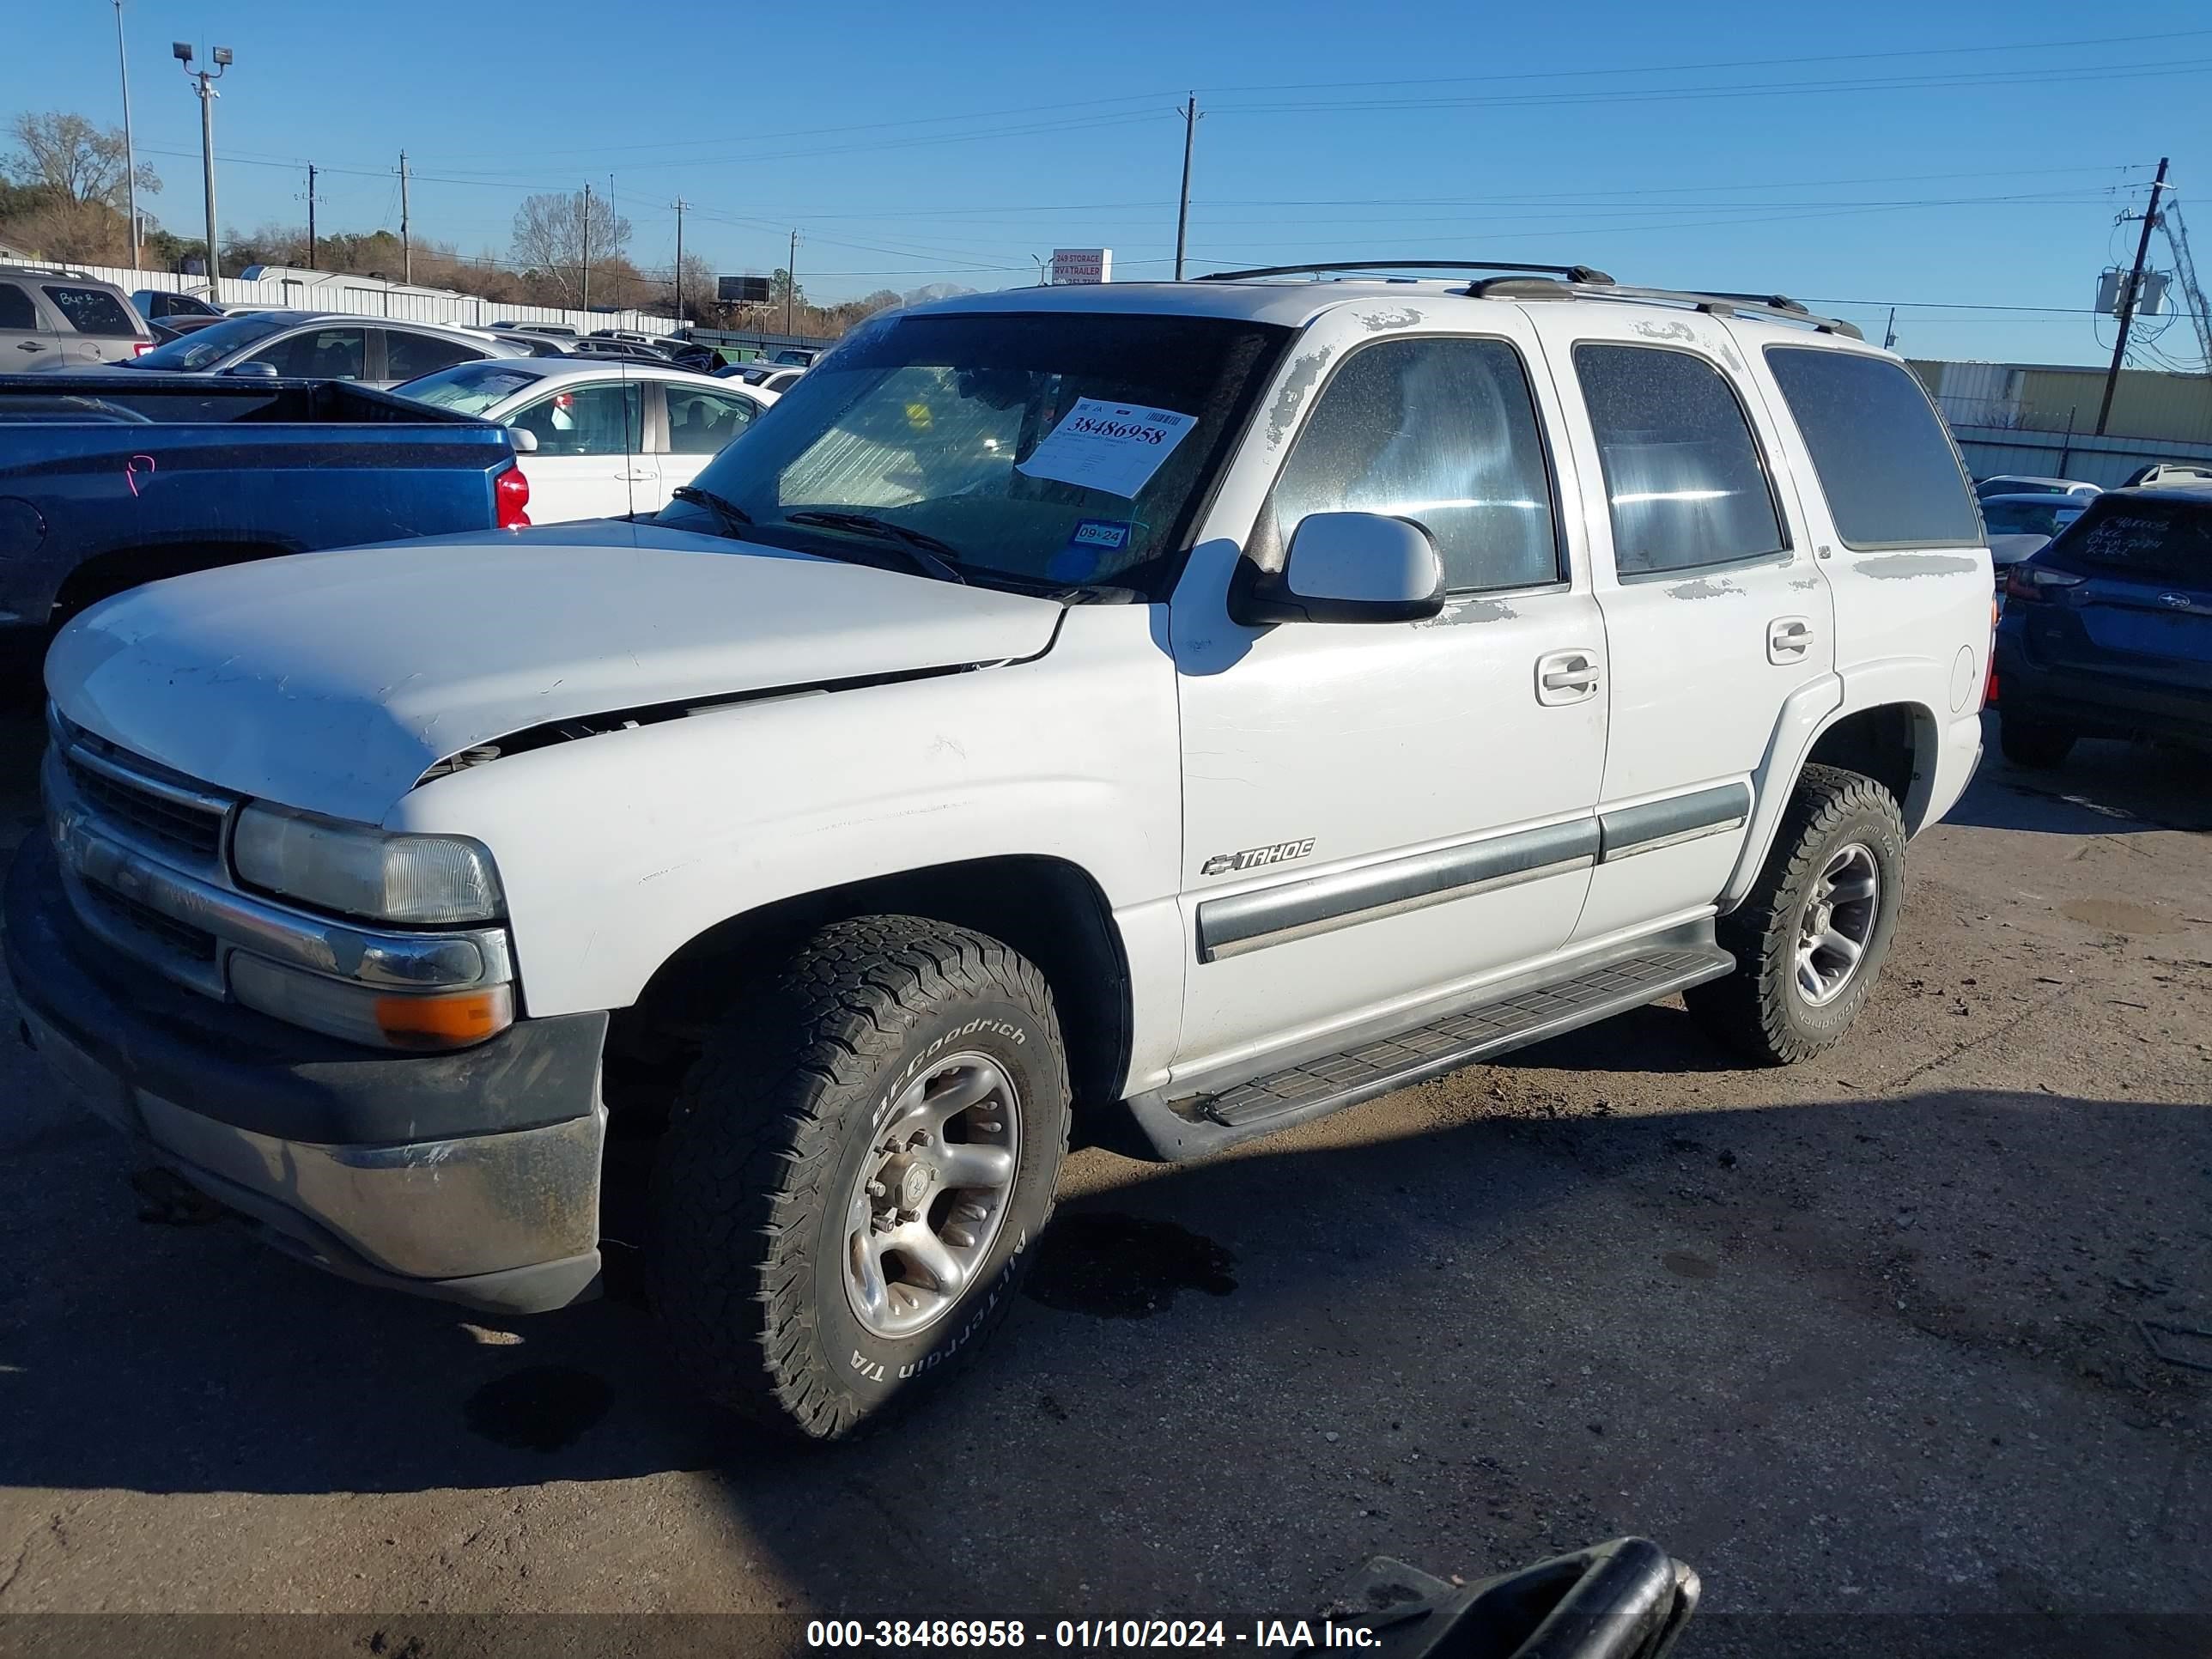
{"x":1807,"y":715}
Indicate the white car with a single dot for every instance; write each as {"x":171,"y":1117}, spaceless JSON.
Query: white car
{"x":768,"y":377}
{"x":611,"y":438}
{"x":1185,"y":708}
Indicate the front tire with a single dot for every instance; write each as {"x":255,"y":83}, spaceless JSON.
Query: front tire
{"x":854,"y":1171}
{"x":1814,"y":932}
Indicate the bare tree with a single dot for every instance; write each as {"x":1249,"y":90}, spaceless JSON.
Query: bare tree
{"x":553,"y":237}
{"x":74,"y":160}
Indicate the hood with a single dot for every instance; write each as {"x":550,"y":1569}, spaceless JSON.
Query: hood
{"x":331,"y":681}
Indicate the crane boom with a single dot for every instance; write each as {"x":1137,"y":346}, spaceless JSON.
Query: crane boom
{"x":2185,"y":273}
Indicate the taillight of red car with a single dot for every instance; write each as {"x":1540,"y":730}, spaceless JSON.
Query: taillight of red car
{"x":511,"y":494}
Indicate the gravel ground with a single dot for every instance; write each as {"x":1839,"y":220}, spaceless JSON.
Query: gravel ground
{"x":1865,"y":1337}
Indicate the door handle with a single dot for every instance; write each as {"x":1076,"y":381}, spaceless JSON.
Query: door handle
{"x":1564,"y":676}
{"x":638,"y":477}
{"x":28,"y":345}
{"x":1788,"y":639}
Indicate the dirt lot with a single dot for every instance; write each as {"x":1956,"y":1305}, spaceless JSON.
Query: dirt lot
{"x":1861,"y":1338}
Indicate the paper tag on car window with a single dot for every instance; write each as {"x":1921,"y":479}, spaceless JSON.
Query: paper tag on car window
{"x":1113,"y":447}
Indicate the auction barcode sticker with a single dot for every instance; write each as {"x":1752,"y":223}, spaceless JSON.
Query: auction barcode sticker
{"x":1113,"y":447}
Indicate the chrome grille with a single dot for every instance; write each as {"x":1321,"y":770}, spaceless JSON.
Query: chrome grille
{"x":170,"y":822}
{"x":179,"y":936}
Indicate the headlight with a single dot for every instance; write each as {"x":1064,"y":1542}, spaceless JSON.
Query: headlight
{"x":363,"y":872}
{"x":452,"y":1020}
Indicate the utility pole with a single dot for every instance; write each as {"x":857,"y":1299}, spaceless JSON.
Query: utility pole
{"x":583,"y":244}
{"x":311,"y":215}
{"x":129,"y":154}
{"x":790,"y":281}
{"x":2127,"y":298}
{"x":182,"y":51}
{"x":1889,"y":334}
{"x":679,"y":262}
{"x":406,"y":243}
{"x":1183,"y":209}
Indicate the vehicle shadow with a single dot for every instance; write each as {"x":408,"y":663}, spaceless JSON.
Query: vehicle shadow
{"x":2103,"y":788}
{"x":1468,"y":1347}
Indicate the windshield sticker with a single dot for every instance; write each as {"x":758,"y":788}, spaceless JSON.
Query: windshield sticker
{"x":1113,"y":448}
{"x":1088,"y":545}
{"x":1100,"y":533}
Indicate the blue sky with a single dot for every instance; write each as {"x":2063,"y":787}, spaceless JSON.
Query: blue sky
{"x":1939,"y":156}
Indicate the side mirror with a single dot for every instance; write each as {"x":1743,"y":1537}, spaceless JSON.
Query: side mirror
{"x":525,"y":440}
{"x":1349,"y":567}
{"x":254,"y":371}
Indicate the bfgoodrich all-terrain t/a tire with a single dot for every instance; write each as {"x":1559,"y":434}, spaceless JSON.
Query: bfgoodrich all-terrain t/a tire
{"x":1813,"y":934}
{"x":854,"y":1171}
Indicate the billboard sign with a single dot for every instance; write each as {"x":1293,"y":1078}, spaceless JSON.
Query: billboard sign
{"x":1082,"y":264}
{"x":741,"y":291}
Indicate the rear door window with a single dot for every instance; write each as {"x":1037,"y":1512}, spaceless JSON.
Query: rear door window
{"x":1888,"y":470}
{"x":16,"y":311}
{"x":92,"y":311}
{"x":408,"y":356}
{"x":701,"y":422}
{"x":1684,"y":481}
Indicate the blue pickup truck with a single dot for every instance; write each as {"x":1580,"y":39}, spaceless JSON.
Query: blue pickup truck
{"x":108,"y":480}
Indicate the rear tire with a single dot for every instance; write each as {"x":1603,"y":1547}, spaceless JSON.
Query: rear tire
{"x":2036,"y":744}
{"x":1813,"y":934}
{"x":815,"y":1152}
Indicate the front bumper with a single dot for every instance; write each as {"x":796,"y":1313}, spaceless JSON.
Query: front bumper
{"x":471,"y":1177}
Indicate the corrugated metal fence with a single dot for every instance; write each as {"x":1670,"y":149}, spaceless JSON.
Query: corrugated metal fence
{"x":367,"y":297}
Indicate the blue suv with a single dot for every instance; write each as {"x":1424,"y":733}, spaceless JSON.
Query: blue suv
{"x":2106,"y":631}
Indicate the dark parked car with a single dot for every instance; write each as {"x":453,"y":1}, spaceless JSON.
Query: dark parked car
{"x":159,"y":305}
{"x":2107,"y":631}
{"x":596,"y":345}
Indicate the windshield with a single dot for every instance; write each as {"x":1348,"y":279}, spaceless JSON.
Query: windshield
{"x":2046,"y":516}
{"x":1064,"y":449}
{"x":211,"y":344}
{"x":468,"y":388}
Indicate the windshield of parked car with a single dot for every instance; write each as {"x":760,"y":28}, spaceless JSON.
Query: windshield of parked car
{"x":211,"y":344}
{"x":470,"y":388}
{"x":2045,"y":516}
{"x":1060,"y":448}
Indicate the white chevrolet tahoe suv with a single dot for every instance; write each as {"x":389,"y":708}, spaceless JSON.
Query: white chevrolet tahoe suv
{"x":1182,"y":710}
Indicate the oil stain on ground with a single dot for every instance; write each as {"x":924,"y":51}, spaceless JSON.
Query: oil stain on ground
{"x":1124,"y":1267}
{"x":539,"y":1407}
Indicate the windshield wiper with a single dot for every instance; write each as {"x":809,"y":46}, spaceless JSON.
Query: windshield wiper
{"x":934,"y":558}
{"x":734,"y":518}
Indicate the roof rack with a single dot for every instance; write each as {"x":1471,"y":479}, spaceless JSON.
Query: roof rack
{"x":1572,"y":273}
{"x":1778,"y":305}
{"x":45,"y":268}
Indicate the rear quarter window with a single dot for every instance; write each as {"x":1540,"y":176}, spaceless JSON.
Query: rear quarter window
{"x":93,"y":311}
{"x":1885,"y":462}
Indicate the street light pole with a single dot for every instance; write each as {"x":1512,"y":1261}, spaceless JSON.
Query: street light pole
{"x":182,"y":51}
{"x":130,"y":154}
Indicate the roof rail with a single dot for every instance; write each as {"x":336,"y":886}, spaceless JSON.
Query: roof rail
{"x":45,"y":268}
{"x":1777,"y":305}
{"x":1572,"y":273}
